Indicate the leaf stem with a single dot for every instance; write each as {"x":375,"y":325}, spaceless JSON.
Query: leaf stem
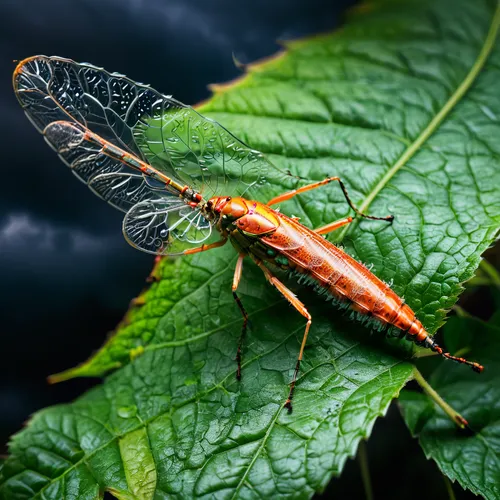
{"x":480,"y":281}
{"x":424,"y":353}
{"x":490,"y":270}
{"x":454,"y":415}
{"x":365,"y":471}
{"x":462,"y":352}
{"x":449,"y":488}
{"x":461,"y":312}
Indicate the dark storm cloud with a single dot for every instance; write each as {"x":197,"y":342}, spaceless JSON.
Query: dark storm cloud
{"x":27,"y":236}
{"x":35,"y":251}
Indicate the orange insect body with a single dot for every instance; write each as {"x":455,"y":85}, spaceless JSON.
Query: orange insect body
{"x":344,"y":277}
{"x":268,"y":235}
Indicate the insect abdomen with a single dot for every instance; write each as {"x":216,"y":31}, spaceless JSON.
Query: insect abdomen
{"x":346,"y":279}
{"x":368,"y":295}
{"x":343,"y":277}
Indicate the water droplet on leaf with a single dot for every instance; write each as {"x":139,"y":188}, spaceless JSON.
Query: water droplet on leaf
{"x":127,"y":411}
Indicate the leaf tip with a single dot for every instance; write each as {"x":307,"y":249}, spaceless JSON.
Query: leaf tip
{"x":83,"y":370}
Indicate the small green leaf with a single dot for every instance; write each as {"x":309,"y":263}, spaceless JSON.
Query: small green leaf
{"x":403,"y":105}
{"x":471,"y":458}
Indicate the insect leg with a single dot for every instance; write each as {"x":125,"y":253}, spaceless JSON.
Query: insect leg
{"x":290,"y":296}
{"x":314,"y":185}
{"x":236,"y":282}
{"x":333,"y":225}
{"x":204,"y":248}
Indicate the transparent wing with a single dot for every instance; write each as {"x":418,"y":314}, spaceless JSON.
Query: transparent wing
{"x":171,"y":136}
{"x":113,"y":180}
{"x":165,"y":226}
{"x":85,"y":159}
{"x":157,"y":221}
{"x":122,"y":190}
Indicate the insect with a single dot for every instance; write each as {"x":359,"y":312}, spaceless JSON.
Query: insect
{"x":182,"y":180}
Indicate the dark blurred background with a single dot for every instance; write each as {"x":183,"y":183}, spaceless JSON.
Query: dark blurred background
{"x":67,"y":274}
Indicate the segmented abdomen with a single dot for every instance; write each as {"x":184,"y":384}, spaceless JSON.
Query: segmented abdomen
{"x":345,"y":278}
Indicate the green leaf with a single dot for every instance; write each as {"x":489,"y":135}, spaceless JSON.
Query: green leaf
{"x":402,"y":104}
{"x":471,"y":458}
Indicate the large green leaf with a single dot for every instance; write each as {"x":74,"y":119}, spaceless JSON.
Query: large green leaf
{"x":402,"y":103}
{"x":471,"y":458}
